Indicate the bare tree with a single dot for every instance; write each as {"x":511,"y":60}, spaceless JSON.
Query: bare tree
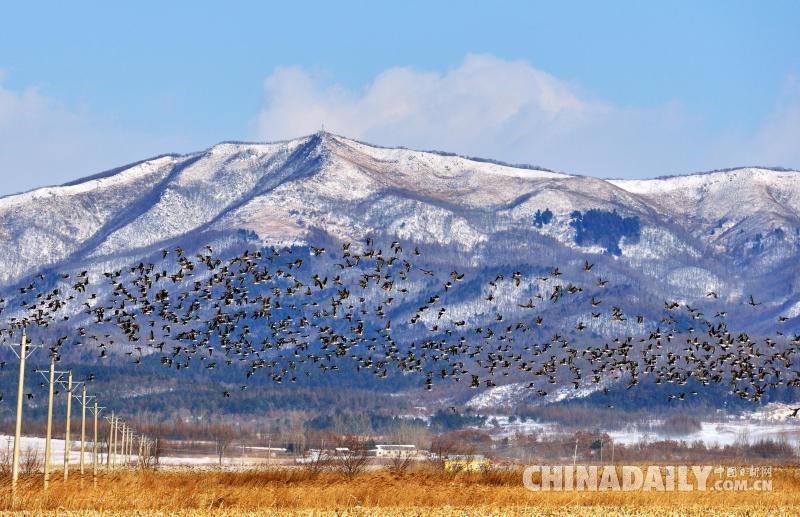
{"x":316,"y":463}
{"x":156,"y":443}
{"x":399,"y":464}
{"x":222,"y":435}
{"x":441,"y":448}
{"x":157,"y":450}
{"x":352,"y":457}
{"x":30,"y":463}
{"x":147,"y":458}
{"x":5,"y":462}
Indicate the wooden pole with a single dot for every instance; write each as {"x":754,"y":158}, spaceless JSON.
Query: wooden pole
{"x":115,"y":425}
{"x":83,"y":426}
{"x":66,"y":432}
{"x":124,"y":433}
{"x":110,"y":441}
{"x":575,"y":455}
{"x":94,"y":444}
{"x":18,"y":429}
{"x":108,"y":447}
{"x":124,"y":447}
{"x":49,"y":425}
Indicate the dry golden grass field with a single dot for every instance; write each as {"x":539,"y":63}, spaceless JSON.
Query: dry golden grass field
{"x":418,"y":492}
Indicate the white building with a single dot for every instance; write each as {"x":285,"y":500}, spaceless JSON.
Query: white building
{"x":395,"y":451}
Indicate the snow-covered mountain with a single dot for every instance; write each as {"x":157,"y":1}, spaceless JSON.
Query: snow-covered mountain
{"x":735,"y":232}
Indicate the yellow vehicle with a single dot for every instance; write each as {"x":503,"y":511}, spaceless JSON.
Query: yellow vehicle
{"x":466,"y":464}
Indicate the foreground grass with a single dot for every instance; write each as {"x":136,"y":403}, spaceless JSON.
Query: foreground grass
{"x":423,"y":492}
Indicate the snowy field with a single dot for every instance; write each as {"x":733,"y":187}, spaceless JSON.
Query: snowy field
{"x":771,"y":422}
{"x":56,"y":449}
{"x":57,"y":454}
{"x":719,"y":433}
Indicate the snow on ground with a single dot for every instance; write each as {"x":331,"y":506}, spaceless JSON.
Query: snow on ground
{"x":189,"y":461}
{"x":718,"y":433}
{"x":509,"y":395}
{"x":501,"y":426}
{"x":774,"y":411}
{"x":453,"y":165}
{"x":568,"y":392}
{"x":156,"y":166}
{"x":711,"y":433}
{"x":56,"y":448}
{"x":793,"y":311}
{"x":30,"y":443}
{"x":500,"y":396}
{"x":772,"y":422}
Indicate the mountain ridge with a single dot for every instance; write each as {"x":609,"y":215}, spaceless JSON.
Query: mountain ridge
{"x":526,"y":166}
{"x":675,"y":237}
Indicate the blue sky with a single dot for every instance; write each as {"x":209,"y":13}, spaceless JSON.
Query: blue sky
{"x":616,"y":89}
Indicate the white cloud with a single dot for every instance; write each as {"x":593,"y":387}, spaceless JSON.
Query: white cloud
{"x":777,"y":142}
{"x":42,"y":142}
{"x":510,"y":110}
{"x":485,"y":106}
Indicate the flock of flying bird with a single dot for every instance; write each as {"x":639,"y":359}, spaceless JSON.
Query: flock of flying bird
{"x":291,"y":312}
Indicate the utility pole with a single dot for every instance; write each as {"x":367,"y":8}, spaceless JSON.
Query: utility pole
{"x":18,"y":430}
{"x":83,"y":400}
{"x":83,"y":427}
{"x":94,"y":443}
{"x":24,"y":351}
{"x":117,"y":433}
{"x":114,"y":457}
{"x":108,"y":444}
{"x":110,"y":440}
{"x":575,"y":455}
{"x":52,"y":379}
{"x":66,"y":432}
{"x":49,"y":424}
{"x":95,"y":453}
{"x":130,"y":447}
{"x":124,"y":433}
{"x":122,"y":444}
{"x":109,"y":454}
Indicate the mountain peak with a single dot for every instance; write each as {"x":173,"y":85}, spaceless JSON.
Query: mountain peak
{"x":674,"y":236}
